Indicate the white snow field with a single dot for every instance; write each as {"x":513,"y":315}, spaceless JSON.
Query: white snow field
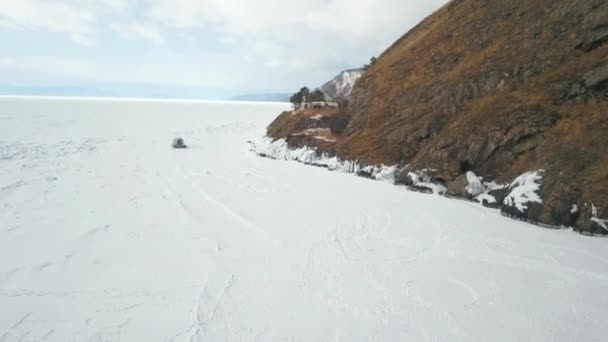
{"x":109,"y":234}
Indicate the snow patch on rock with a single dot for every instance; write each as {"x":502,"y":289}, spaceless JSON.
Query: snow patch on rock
{"x":480,"y":190}
{"x":475,"y":186}
{"x":279,"y":149}
{"x":574,"y":209}
{"x":342,"y":85}
{"x":524,"y":190}
{"x":601,"y":222}
{"x":485,"y":197}
{"x":493,"y":186}
{"x":423,"y":180}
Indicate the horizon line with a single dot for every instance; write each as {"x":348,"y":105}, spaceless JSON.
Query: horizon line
{"x":132,"y":99}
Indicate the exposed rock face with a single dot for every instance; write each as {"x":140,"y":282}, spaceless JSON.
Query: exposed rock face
{"x":317,"y":128}
{"x":597,"y":77}
{"x":595,"y":39}
{"x":500,"y":88}
{"x":342,"y":85}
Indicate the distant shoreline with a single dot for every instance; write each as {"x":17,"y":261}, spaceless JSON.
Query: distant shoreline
{"x":132,"y":99}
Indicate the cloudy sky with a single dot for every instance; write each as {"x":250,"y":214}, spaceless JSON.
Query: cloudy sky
{"x":199,"y":48}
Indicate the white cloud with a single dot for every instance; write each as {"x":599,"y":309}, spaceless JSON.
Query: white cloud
{"x":62,"y":17}
{"x":227,"y":40}
{"x":70,"y":70}
{"x":79,"y":19}
{"x":272,"y":64}
{"x":117,"y":4}
{"x":133,"y":31}
{"x":296,"y":30}
{"x":43,"y":65}
{"x":82,"y":39}
{"x":282,"y":18}
{"x":300,"y":42}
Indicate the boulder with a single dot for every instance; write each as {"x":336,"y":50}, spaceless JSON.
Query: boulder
{"x":589,"y":227}
{"x":499,"y":195}
{"x":458,"y":187}
{"x":178,"y":143}
{"x":402,"y":177}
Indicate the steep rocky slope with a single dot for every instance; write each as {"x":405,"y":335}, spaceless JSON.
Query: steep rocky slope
{"x":498,"y":88}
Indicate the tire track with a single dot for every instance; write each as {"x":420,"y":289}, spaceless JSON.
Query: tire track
{"x":16,"y":326}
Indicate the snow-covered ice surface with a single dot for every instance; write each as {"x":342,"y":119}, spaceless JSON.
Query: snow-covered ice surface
{"x":109,"y":234}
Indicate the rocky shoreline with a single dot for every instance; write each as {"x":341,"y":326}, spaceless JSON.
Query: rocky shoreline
{"x":518,"y":199}
{"x":492,"y":89}
{"x":311,"y":137}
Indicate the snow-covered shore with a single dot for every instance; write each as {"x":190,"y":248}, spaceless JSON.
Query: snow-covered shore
{"x":280,"y":150}
{"x":106,"y":233}
{"x":521,"y":192}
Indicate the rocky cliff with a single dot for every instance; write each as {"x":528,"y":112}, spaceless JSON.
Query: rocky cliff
{"x":341,"y":86}
{"x":498,"y":89}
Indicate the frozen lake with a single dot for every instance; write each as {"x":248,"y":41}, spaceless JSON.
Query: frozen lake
{"x":108,"y":234}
